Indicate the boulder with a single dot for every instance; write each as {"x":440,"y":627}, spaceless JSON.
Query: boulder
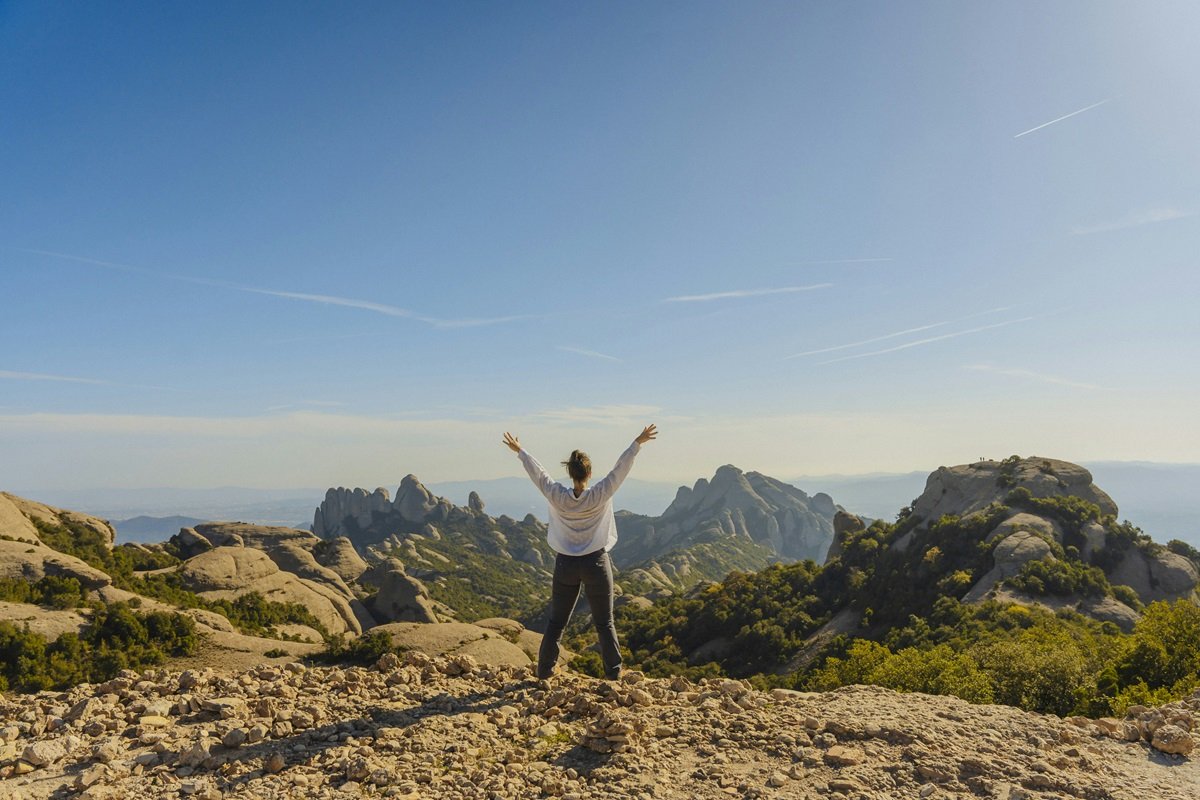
{"x":475,"y":503}
{"x":400,"y":597}
{"x":455,"y":638}
{"x":341,"y":557}
{"x":1012,"y":553}
{"x":1156,"y":575}
{"x":1023,"y":521}
{"x":844,"y":523}
{"x":229,"y":572}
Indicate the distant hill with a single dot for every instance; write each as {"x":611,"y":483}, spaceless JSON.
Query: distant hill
{"x":1161,"y":499}
{"x":737,"y":520}
{"x":152,"y":529}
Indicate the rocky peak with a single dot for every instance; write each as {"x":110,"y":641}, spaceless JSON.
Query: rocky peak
{"x":475,"y":502}
{"x":968,"y":488}
{"x":772,"y":515}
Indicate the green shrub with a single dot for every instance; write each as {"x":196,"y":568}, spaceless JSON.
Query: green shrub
{"x":115,"y":638}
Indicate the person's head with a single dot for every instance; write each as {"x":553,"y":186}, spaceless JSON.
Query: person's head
{"x":579,"y":466}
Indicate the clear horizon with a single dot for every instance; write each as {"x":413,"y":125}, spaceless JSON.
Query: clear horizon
{"x":260,"y":246}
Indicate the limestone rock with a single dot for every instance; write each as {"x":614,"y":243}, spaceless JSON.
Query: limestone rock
{"x":455,"y":638}
{"x":1160,"y":575}
{"x":229,"y":572}
{"x":844,"y":523}
{"x":968,"y":488}
{"x":341,"y":557}
{"x":50,"y":515}
{"x":399,"y":596}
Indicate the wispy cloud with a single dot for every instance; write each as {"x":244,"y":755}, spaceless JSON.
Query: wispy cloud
{"x":930,"y":340}
{"x":896,"y":334}
{"x":703,"y":298}
{"x":38,"y":376}
{"x":1035,"y":376}
{"x":861,"y":342}
{"x":1064,"y":116}
{"x":323,"y":299}
{"x":588,"y":353}
{"x":1134,"y":220}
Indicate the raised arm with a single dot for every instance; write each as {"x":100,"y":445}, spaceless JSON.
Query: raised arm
{"x":613,"y":480}
{"x":537,"y":473}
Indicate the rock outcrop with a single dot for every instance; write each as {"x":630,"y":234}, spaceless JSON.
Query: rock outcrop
{"x":226,"y":572}
{"x":967,"y":488}
{"x":453,"y":728}
{"x":399,"y":597}
{"x":1032,"y":533}
{"x":50,"y":515}
{"x":746,"y":519}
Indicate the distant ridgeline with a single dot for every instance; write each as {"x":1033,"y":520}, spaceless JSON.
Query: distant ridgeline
{"x":485,"y":566}
{"x":1009,"y":581}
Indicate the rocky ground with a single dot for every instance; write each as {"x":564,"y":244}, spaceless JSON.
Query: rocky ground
{"x":437,"y":728}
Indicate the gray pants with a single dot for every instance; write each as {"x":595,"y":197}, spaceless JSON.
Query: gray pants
{"x":592,"y":572}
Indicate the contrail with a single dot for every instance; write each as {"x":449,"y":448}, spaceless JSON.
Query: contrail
{"x":930,"y":340}
{"x":701,"y":298}
{"x":346,"y":302}
{"x":38,"y":376}
{"x":1065,"y":116}
{"x":886,"y":336}
{"x":867,"y":341}
{"x":590,"y":353}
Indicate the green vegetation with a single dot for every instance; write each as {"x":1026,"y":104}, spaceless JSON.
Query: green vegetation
{"x":1061,"y":578}
{"x":127,"y":564}
{"x":115,"y":638}
{"x":910,"y":632}
{"x":363,"y":650}
{"x":51,"y":591}
{"x":473,"y":581}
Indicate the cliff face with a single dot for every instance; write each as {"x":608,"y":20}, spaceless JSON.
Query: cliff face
{"x":736,"y":520}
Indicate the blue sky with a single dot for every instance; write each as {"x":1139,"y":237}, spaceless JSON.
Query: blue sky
{"x":284,"y":244}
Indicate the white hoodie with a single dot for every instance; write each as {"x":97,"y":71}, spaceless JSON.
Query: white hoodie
{"x":584,"y":524}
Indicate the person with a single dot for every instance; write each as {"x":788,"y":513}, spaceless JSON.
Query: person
{"x":582,"y":531}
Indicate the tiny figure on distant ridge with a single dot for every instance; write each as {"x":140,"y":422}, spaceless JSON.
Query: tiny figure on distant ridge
{"x":582,"y":530}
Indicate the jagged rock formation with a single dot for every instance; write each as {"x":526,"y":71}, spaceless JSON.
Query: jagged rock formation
{"x":450,"y":728}
{"x":739,"y":520}
{"x":399,"y":597}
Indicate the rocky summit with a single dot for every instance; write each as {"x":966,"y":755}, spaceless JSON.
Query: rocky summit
{"x":736,"y":520}
{"x":416,"y":726}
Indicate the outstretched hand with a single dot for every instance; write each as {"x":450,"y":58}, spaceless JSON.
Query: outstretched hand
{"x":512,"y":442}
{"x":649,"y":432}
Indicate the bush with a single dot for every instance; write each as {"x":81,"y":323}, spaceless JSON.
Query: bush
{"x":115,"y":638}
{"x":52,"y":591}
